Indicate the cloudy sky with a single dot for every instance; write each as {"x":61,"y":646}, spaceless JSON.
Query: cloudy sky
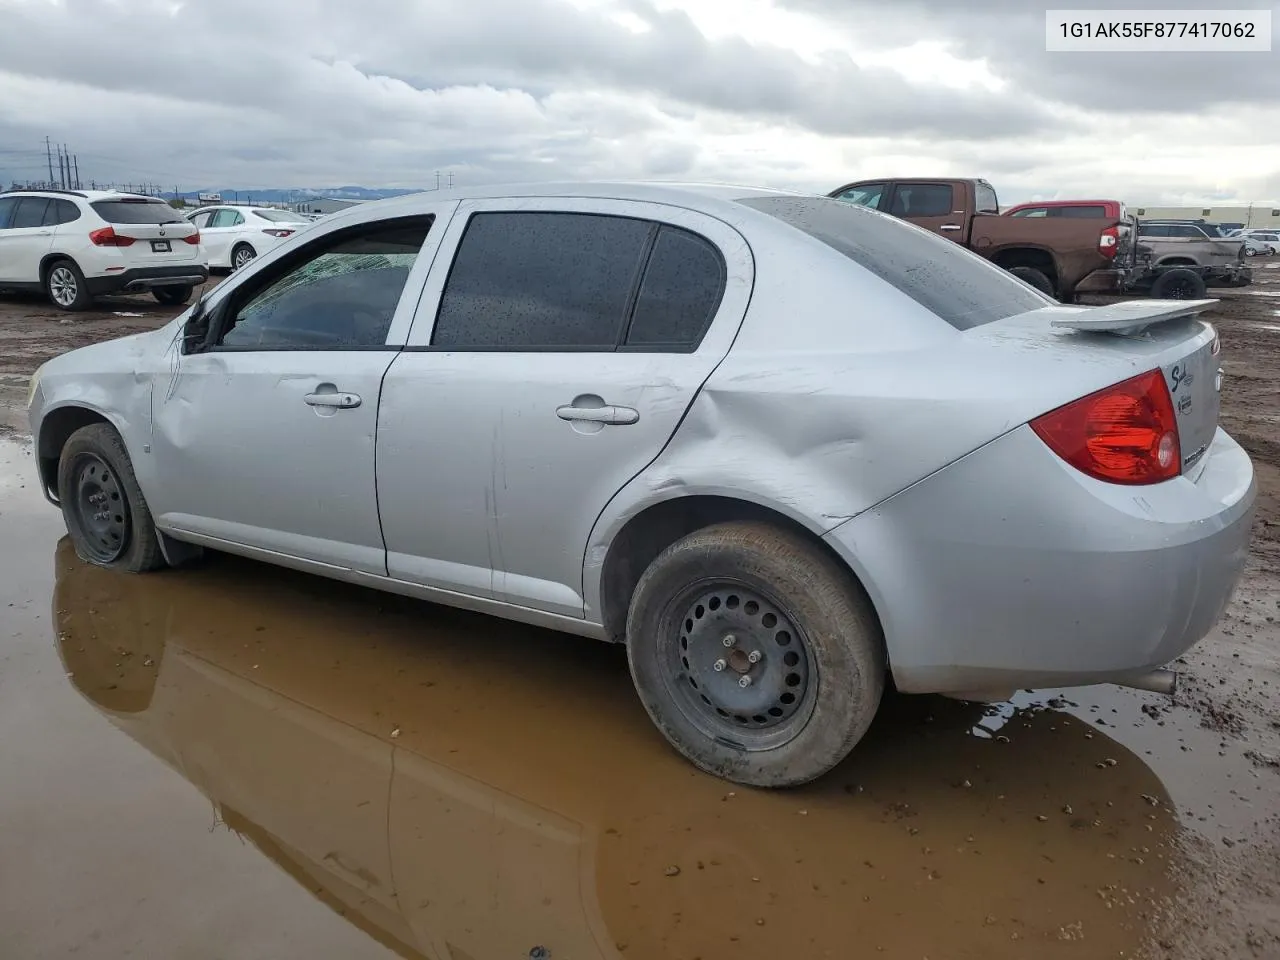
{"x":795,"y":93}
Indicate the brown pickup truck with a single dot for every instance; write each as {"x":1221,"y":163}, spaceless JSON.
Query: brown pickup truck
{"x":1061,"y":256}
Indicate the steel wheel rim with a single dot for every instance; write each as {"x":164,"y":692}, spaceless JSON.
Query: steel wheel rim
{"x":243,"y":256}
{"x":100,"y":508}
{"x":704,"y":673}
{"x":63,"y":286}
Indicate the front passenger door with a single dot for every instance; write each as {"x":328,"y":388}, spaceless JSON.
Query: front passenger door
{"x":264,"y":435}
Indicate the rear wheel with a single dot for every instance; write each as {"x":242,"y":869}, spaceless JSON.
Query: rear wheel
{"x":65,"y":286}
{"x":755,"y":653}
{"x":102,"y":504}
{"x":172,"y":296}
{"x":1179,"y":284}
{"x":241,"y":255}
{"x":1035,"y":278}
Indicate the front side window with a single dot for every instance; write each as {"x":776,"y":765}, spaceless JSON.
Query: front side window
{"x":30,"y":213}
{"x":866,"y":195}
{"x":339,"y":293}
{"x":541,"y":281}
{"x":921,"y":200}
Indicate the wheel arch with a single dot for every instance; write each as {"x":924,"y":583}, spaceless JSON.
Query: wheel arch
{"x":1035,"y":257}
{"x":56,"y":427}
{"x":641,"y":537}
{"x":49,"y":259}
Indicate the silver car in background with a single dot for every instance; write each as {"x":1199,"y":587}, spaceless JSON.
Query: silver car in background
{"x":783,"y":447}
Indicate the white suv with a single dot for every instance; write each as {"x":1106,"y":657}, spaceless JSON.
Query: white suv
{"x":76,"y":245}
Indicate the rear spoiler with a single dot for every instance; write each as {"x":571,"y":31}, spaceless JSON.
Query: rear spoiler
{"x":1128,"y":316}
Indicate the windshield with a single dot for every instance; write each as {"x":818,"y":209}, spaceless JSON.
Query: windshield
{"x":137,"y":211}
{"x":280,"y":216}
{"x":960,"y":287}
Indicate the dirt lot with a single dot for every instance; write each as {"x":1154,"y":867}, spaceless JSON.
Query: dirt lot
{"x":526,"y":801}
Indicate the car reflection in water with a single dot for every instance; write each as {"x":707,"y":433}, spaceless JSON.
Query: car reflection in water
{"x":458,"y":787}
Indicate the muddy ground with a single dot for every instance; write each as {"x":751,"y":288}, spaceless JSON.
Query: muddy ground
{"x":237,"y":761}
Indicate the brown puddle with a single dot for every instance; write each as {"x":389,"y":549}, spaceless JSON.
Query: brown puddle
{"x":459,"y":787}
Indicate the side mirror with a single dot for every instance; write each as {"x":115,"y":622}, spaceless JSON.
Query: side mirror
{"x":196,"y":328}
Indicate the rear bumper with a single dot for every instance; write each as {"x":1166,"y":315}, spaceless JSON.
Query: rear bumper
{"x":1011,"y":569}
{"x":1111,"y":280}
{"x":1235,"y":274}
{"x":145,"y":278}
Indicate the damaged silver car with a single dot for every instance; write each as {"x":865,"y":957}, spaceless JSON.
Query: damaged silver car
{"x":784,"y":448}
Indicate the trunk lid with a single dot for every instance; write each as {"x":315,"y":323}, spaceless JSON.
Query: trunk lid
{"x":159,"y":231}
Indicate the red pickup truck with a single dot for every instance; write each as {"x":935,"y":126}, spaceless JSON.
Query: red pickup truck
{"x":1061,"y":256}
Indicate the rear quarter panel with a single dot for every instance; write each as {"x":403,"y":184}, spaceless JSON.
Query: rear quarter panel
{"x":1072,"y":242}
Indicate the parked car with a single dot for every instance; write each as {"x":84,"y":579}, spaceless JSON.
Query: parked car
{"x":1177,"y":243}
{"x":1269,"y":240}
{"x":1057,"y":255}
{"x":1078,"y":209}
{"x":76,"y":245}
{"x":1258,"y":246}
{"x":780,"y":446}
{"x":234,"y":235}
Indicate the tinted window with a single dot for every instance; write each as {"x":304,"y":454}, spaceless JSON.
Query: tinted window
{"x":62,"y":211}
{"x":7,"y":207}
{"x":984,"y":198}
{"x":939,"y":274}
{"x":1091,"y":211}
{"x":30,"y":212}
{"x":1153,"y":230}
{"x":136,"y":211}
{"x":867,"y":195}
{"x":342,"y":293}
{"x":1188,"y":233}
{"x":524,"y":281}
{"x":921,"y":200}
{"x":681,"y":290}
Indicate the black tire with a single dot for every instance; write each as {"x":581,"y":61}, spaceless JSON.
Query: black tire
{"x":106,"y":514}
{"x":1178,"y":284}
{"x":242,"y":254}
{"x":172,"y":296}
{"x":65,"y":286}
{"x":1035,"y":278}
{"x":819,"y":643}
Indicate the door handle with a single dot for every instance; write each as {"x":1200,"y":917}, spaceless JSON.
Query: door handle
{"x":342,"y":401}
{"x":614,"y":415}
{"x":949,"y":227}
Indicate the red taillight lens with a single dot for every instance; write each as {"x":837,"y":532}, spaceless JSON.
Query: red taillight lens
{"x":107,"y":237}
{"x":278,"y":233}
{"x":1127,"y":433}
{"x":1109,"y":242}
{"x":194,"y":239}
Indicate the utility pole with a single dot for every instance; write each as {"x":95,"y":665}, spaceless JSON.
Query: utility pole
{"x":437,"y":179}
{"x":48,"y":155}
{"x":450,"y":179}
{"x":62,"y":168}
{"x":75,"y":159}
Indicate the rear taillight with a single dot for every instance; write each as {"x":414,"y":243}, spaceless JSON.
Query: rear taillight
{"x":1109,"y":242}
{"x":194,"y":239}
{"x":279,"y":233}
{"x":107,"y":237}
{"x":1127,"y":433}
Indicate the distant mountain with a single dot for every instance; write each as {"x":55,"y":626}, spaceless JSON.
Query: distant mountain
{"x":283,"y":195}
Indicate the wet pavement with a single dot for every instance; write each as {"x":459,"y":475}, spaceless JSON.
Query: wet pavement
{"x":237,"y":761}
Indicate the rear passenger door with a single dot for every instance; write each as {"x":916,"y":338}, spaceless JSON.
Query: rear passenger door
{"x":555,"y":350}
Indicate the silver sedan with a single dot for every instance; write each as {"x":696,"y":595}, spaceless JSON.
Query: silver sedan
{"x":782,"y":447}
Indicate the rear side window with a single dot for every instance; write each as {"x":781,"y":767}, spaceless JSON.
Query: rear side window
{"x":136,"y":211}
{"x":60,"y":212}
{"x":1089,"y":211}
{"x":680,"y":293}
{"x":921,"y":200}
{"x":541,"y":281}
{"x":939,"y":274}
{"x":30,"y":213}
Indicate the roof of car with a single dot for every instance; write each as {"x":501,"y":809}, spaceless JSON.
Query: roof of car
{"x":90,"y":195}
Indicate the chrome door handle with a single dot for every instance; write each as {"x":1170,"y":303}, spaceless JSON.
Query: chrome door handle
{"x":343,"y":401}
{"x":615,"y":415}
{"x":949,"y":227}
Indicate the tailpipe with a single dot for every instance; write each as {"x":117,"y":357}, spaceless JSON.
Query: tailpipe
{"x":1157,"y":681}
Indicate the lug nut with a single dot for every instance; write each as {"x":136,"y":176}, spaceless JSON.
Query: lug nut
{"x":744,"y":681}
{"x":719,"y":665}
{"x":754,"y":656}
{"x":729,"y":640}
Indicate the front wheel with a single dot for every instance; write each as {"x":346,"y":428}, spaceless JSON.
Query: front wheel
{"x":106,"y":514}
{"x":755,"y":653}
{"x":172,"y":296}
